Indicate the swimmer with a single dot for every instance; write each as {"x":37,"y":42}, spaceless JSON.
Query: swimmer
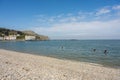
{"x":105,"y":52}
{"x":94,"y":50}
{"x":62,"y":47}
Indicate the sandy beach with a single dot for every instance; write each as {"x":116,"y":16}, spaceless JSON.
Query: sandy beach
{"x":22,"y":66}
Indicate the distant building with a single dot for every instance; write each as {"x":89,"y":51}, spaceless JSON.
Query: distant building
{"x":6,"y":37}
{"x":10,"y":37}
{"x":1,"y":38}
{"x":18,"y":34}
{"x":30,"y":37}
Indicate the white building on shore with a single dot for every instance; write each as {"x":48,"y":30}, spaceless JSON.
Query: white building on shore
{"x":27,"y":37}
{"x":1,"y":38}
{"x":10,"y":37}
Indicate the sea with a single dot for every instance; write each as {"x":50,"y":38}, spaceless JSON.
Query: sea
{"x":92,"y":51}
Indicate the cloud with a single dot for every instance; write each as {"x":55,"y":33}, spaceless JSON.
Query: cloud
{"x":103,"y":23}
{"x":93,"y":29}
{"x":69,"y":19}
{"x":117,"y":7}
{"x":103,"y":11}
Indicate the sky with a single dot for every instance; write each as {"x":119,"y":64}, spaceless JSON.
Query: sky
{"x":63,"y":19}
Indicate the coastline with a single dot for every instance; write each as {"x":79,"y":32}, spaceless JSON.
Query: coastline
{"x":23,"y":66}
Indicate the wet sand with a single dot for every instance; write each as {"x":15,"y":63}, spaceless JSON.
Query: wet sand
{"x":23,"y":66}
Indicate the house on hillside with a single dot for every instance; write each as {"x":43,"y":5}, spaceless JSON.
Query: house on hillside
{"x":29,"y":37}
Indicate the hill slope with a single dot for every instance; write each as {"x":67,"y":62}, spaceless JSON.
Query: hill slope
{"x":7,"y":32}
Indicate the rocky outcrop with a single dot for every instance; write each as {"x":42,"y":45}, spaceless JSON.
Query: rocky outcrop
{"x":38,"y":37}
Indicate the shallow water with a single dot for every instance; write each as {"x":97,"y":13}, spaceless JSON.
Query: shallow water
{"x":78,"y":50}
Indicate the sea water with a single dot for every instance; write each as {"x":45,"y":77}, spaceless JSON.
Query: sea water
{"x":77,"y":50}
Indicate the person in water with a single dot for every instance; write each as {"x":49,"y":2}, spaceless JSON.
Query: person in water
{"x":105,"y":52}
{"x":62,"y":47}
{"x":94,"y":50}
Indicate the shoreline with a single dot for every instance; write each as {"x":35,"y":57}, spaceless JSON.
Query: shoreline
{"x":22,"y":66}
{"x":72,"y":60}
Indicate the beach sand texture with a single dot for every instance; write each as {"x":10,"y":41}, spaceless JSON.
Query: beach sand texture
{"x":21,"y":66}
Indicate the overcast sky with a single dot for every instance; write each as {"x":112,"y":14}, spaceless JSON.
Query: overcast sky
{"x":63,"y":19}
